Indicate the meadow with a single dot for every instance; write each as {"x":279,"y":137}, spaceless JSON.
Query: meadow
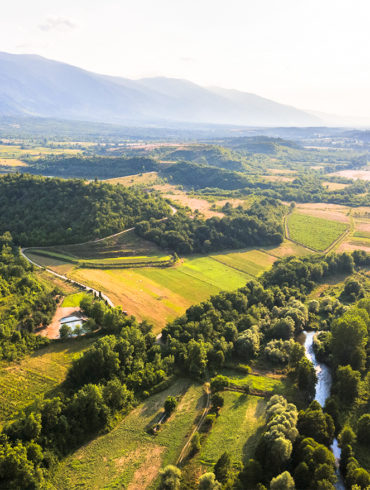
{"x":314,"y":232}
{"x":36,"y":375}
{"x":236,"y":429}
{"x":129,"y":457}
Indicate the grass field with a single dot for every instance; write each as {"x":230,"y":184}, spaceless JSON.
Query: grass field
{"x":264,"y":383}
{"x":160,"y":295}
{"x":73,"y":300}
{"x":311,"y":231}
{"x":252,"y":262}
{"x":128,"y":457}
{"x":36,"y":375}
{"x":236,"y":430}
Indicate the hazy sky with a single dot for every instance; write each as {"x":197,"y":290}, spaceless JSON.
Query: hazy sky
{"x":314,"y":54}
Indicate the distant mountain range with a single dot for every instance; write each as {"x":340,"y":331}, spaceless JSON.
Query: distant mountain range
{"x":34,"y":86}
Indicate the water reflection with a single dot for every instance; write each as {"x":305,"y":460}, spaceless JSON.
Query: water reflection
{"x":322,"y":392}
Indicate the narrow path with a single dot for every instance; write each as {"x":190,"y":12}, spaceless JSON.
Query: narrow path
{"x":198,"y":426}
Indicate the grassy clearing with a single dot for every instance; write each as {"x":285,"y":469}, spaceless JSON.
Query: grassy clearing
{"x":286,"y":249}
{"x":128,"y":454}
{"x":145,"y":178}
{"x":311,"y":231}
{"x":12,"y":162}
{"x":73,"y":300}
{"x":51,"y":282}
{"x":264,"y":383}
{"x":236,"y":430}
{"x":36,"y":375}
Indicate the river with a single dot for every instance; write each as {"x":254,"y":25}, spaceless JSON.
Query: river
{"x":322,"y":392}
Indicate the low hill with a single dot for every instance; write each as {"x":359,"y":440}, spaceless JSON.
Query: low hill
{"x":45,"y":211}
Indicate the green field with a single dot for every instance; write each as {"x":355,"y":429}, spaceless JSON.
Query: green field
{"x":264,"y":383}
{"x":313,"y":232}
{"x":162,"y":294}
{"x":236,"y":429}
{"x":36,"y":375}
{"x":128,"y":454}
{"x":73,"y":300}
{"x":252,"y":262}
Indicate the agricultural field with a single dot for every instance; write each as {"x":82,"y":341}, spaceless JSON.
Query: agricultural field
{"x":129,"y":457}
{"x":161,"y":294}
{"x":313,"y":232}
{"x":36,"y":375}
{"x":236,"y":429}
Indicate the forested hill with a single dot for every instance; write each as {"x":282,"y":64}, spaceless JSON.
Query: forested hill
{"x":46,"y":211}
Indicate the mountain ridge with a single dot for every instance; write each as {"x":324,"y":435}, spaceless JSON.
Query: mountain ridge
{"x":35,"y":86}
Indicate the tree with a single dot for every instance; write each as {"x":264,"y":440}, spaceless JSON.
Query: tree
{"x":65,"y":331}
{"x":284,"y":481}
{"x":195,"y":443}
{"x":363,"y":429}
{"x":252,"y":474}
{"x":349,"y":337}
{"x":170,"y":404}
{"x":347,"y":436}
{"x":208,"y":482}
{"x":170,"y":478}
{"x":347,"y":383}
{"x":222,"y":468}
{"x":307,"y":377}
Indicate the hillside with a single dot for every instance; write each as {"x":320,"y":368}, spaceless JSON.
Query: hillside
{"x":45,"y":211}
{"x":32,"y":85}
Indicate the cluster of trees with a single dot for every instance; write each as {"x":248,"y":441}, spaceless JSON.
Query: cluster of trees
{"x":116,"y":370}
{"x":259,"y":225}
{"x":305,"y":272}
{"x":90,"y":167}
{"x":26,"y":304}
{"x":45,"y":211}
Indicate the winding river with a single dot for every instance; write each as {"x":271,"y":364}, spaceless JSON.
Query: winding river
{"x":322,"y":392}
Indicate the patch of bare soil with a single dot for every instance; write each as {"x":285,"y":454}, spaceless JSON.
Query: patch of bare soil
{"x":148,"y":470}
{"x":334,"y":212}
{"x":52,"y":330}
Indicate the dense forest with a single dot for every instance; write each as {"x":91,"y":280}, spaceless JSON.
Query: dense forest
{"x":261,"y":224}
{"x":90,"y":167}
{"x":25,"y":304}
{"x":47,"y":211}
{"x":258,"y":323}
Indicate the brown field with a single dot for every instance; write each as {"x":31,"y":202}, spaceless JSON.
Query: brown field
{"x":354,"y":174}
{"x":288,"y":248}
{"x":146,"y":178}
{"x":334,"y":212}
{"x":334,"y":186}
{"x":12,"y":162}
{"x":354,"y":244}
{"x":277,"y":178}
{"x":281,"y":171}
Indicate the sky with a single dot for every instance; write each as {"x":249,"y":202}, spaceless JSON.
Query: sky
{"x":310,"y":54}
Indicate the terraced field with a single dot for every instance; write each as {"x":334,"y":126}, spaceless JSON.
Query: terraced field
{"x":129,"y":457}
{"x":313,"y":232}
{"x":36,"y":375}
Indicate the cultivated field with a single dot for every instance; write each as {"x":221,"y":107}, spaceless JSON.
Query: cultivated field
{"x":161,"y":294}
{"x":313,"y":232}
{"x":128,"y":457}
{"x":36,"y":375}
